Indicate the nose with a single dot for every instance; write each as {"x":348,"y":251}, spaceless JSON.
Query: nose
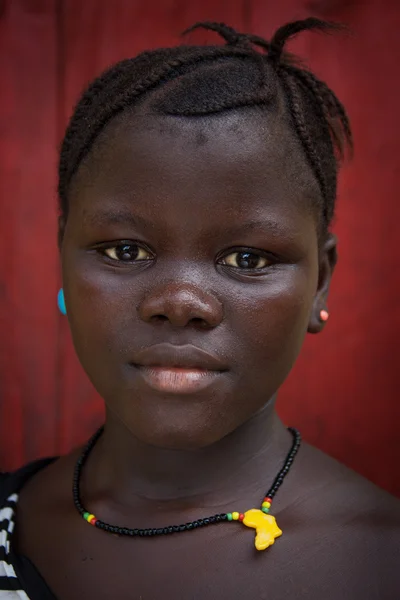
{"x":181,"y":305}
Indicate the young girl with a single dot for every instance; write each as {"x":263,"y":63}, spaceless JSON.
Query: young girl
{"x":197,"y":186}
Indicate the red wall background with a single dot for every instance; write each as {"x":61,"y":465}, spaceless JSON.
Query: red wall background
{"x":343,"y":392}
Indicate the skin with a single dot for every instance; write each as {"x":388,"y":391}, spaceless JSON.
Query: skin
{"x":255,"y":321}
{"x":189,"y":191}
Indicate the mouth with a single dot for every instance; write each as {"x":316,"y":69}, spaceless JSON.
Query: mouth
{"x":177,"y":380}
{"x":178,"y":369}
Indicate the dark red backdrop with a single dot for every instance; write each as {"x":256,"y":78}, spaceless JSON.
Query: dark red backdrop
{"x":343,"y":392}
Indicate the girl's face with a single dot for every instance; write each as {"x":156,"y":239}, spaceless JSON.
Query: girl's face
{"x":193,"y":232}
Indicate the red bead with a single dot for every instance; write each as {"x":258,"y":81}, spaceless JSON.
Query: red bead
{"x":266,"y":499}
{"x":93,"y":521}
{"x":241,"y":517}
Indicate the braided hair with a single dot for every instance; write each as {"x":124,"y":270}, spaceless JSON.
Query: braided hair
{"x":190,"y":80}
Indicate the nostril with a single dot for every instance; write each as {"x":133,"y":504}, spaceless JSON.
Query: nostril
{"x":158,"y":318}
{"x":200,"y":323}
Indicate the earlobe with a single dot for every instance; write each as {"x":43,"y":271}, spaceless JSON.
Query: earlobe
{"x":327,"y":261}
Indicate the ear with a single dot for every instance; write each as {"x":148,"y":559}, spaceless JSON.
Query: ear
{"x":327,"y":262}
{"x":61,"y":229}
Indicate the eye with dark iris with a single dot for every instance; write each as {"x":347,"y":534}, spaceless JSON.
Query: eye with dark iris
{"x":127,"y":253}
{"x":245,"y":260}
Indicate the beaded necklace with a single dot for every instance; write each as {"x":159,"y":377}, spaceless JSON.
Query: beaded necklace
{"x":259,"y":519}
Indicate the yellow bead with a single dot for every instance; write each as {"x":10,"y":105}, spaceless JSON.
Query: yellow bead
{"x":90,"y":517}
{"x":235,"y":516}
{"x":266,"y":504}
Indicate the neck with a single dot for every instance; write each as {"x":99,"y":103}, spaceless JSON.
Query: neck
{"x":123,"y":468}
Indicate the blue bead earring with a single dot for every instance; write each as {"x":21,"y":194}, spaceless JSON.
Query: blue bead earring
{"x":61,"y":302}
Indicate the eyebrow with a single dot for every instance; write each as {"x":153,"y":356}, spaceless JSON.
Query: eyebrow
{"x":110,"y":217}
{"x":269,"y":225}
{"x":121,"y":216}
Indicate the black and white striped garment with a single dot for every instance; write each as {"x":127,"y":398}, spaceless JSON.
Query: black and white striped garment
{"x":19,"y":579}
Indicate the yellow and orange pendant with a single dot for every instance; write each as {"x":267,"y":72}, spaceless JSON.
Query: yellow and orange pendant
{"x":265,"y":524}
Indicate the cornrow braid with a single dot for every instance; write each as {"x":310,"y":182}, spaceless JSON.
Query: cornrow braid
{"x":195,"y":80}
{"x":331,"y":107}
{"x":288,"y":31}
{"x":230,"y":35}
{"x":294,"y":98}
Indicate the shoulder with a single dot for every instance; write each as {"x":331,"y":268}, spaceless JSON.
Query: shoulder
{"x":348,"y":527}
{"x":11,"y":482}
{"x":332,"y":489}
{"x":327,"y":477}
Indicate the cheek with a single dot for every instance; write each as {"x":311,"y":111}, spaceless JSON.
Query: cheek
{"x":272,"y":321}
{"x":98,"y":309}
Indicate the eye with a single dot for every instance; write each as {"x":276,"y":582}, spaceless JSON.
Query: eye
{"x":245,"y":260}
{"x":127,"y":253}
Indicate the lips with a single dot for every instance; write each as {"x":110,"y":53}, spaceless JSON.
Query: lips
{"x":181,"y":357}
{"x":178,"y":369}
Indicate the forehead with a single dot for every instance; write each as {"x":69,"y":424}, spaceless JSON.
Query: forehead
{"x":239,"y":157}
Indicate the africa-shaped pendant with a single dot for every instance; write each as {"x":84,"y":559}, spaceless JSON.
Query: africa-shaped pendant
{"x":265,"y":525}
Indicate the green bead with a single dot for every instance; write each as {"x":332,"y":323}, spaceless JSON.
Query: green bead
{"x":265,"y":509}
{"x":86,"y":515}
{"x":229,"y":515}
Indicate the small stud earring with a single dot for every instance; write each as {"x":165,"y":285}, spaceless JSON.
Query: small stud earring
{"x":324,"y":315}
{"x":61,"y":302}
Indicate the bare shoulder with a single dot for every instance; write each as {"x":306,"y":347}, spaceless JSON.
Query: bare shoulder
{"x":51,"y":483}
{"x":47,"y":496}
{"x":348,"y":528}
{"x":323,"y":474}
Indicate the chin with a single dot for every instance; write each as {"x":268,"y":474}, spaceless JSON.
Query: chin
{"x":182,"y":440}
{"x":176,"y":433}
